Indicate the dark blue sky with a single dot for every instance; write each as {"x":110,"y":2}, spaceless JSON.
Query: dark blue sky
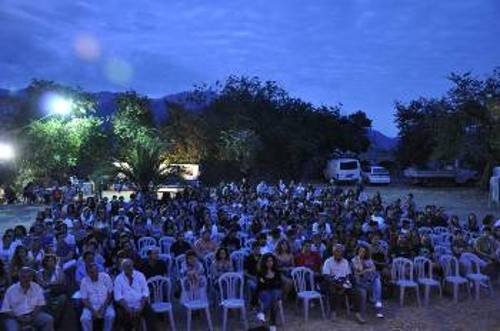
{"x":362,"y":53}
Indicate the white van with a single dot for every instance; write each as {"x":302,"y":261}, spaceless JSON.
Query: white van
{"x":343,"y":170}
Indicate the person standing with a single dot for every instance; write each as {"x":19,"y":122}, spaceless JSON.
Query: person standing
{"x":23,"y":305}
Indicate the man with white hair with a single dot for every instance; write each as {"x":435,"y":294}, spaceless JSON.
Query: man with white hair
{"x":96,"y":291}
{"x":131,"y":294}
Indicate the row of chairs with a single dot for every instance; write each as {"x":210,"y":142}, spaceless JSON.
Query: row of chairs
{"x":404,"y":270}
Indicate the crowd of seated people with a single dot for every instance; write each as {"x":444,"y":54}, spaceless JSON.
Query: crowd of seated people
{"x":102,"y":252}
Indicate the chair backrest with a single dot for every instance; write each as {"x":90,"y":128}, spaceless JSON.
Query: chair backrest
{"x":168,"y":262}
{"x":208,"y":261}
{"x":423,"y":267}
{"x":440,"y":250}
{"x":145,"y":241}
{"x":238,"y":259}
{"x":194,"y":290}
{"x":231,"y":285}
{"x":143,"y":252}
{"x":160,"y":289}
{"x":450,"y":266}
{"x":424,"y":231}
{"x":473,"y":263}
{"x":440,"y":230}
{"x":402,"y":269}
{"x":303,"y":279}
{"x":165,"y":243}
{"x":446,"y":239}
{"x":180,"y":260}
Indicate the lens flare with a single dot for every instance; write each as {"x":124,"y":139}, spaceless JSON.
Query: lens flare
{"x":118,"y":71}
{"x":87,"y":48}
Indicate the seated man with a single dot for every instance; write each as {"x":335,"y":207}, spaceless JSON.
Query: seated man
{"x":96,"y":291}
{"x":23,"y":303}
{"x":337,"y":282}
{"x":89,"y":257}
{"x":131,"y":294}
{"x":154,"y":266}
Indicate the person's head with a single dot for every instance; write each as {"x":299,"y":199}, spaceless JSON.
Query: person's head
{"x":49,"y":262}
{"x":268,"y":262}
{"x":20,"y":231}
{"x":221,"y":254}
{"x":25,"y":277}
{"x":191,"y":257}
{"x":282,"y":247}
{"x":7,"y":237}
{"x":487,"y":231}
{"x":205,"y":235}
{"x":363,"y":252}
{"x":127,"y":267}
{"x":306,"y":246}
{"x":262,"y":239}
{"x":92,"y":271}
{"x":256,"y":247}
{"x":153,"y":253}
{"x":338,"y":252}
{"x":88,"y":257}
{"x":20,"y":252}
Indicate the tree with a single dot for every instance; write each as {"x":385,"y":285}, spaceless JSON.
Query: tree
{"x":55,"y":147}
{"x":142,"y":151}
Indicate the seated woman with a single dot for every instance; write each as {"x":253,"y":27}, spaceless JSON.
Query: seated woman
{"x":221,"y":265}
{"x":285,"y":263}
{"x":19,"y":260}
{"x":367,"y":277}
{"x":269,"y":289}
{"x":51,"y":279}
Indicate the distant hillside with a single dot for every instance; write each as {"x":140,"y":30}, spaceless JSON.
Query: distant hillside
{"x":380,"y":141}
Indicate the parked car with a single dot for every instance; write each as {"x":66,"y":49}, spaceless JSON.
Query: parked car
{"x":377,"y":175}
{"x":343,"y":170}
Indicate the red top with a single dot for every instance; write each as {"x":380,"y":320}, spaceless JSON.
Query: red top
{"x":311,"y":260}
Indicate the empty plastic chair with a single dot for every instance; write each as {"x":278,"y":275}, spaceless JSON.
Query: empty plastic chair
{"x":231,"y":296}
{"x":303,"y":281}
{"x":161,"y":298}
{"x":144,"y":242}
{"x":423,"y":269}
{"x":194,"y":297}
{"x":402,"y":277}
{"x":238,"y":259}
{"x":474,"y":275}
{"x":452,"y":276}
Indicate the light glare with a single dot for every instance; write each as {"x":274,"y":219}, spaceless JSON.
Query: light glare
{"x":6,"y":152}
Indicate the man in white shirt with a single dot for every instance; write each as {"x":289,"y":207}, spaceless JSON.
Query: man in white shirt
{"x":96,"y":291}
{"x":131,"y":294}
{"x":337,"y":284}
{"x":23,"y":303}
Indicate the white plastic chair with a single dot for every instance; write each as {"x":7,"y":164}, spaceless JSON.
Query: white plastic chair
{"x":303,"y":281}
{"x":402,"y":277}
{"x":423,"y":269}
{"x":238,"y":259}
{"x":384,"y":245}
{"x":161,"y":299}
{"x":445,"y":239}
{"x":474,"y":275}
{"x":452,"y":276}
{"x":424,"y":231}
{"x":165,"y":243}
{"x":231,"y":286}
{"x":144,"y":242}
{"x":440,"y":250}
{"x":194,"y":297}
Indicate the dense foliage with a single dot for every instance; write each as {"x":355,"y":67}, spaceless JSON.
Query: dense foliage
{"x":462,"y":125}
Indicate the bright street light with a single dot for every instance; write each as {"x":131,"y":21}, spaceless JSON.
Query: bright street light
{"x":54,"y":103}
{"x":6,"y":152}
